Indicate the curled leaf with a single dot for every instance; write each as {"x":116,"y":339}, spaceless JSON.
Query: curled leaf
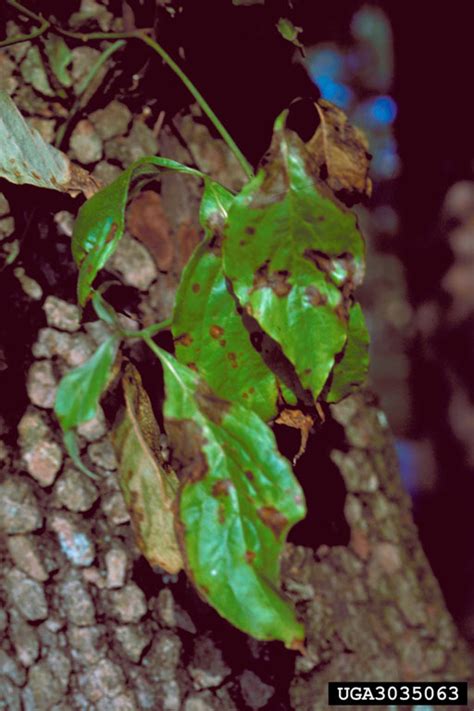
{"x":25,"y":157}
{"x":299,"y":421}
{"x":238,"y":500}
{"x":342,"y":149}
{"x":149,"y":486}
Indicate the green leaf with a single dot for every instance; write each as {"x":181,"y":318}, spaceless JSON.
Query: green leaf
{"x":211,"y":338}
{"x":209,"y":334}
{"x":60,"y":57}
{"x":101,"y":220}
{"x":25,"y":157}
{"x":238,"y":501}
{"x":80,"y":390}
{"x":215,"y":203}
{"x":149,"y":486}
{"x":351,"y":370}
{"x":33,"y":72}
{"x":293,"y":255}
{"x":289,"y":31}
{"x":70,"y":442}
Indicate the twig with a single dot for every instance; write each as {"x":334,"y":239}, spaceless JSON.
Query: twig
{"x":158,"y":124}
{"x":37,"y":32}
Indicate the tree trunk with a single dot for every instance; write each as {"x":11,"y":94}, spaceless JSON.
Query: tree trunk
{"x":373,"y":610}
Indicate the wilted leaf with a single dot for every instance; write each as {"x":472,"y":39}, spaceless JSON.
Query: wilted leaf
{"x":209,"y":334}
{"x":80,"y":390}
{"x":101,"y":220}
{"x":299,"y":421}
{"x":60,"y":57}
{"x":342,"y":149}
{"x":149,"y":486}
{"x":351,"y":370}
{"x":25,"y":157}
{"x":293,"y":255}
{"x":238,"y":501}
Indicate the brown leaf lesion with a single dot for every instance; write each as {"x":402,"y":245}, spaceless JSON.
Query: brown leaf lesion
{"x":277,"y":281}
{"x":273,"y":519}
{"x":187,"y":455}
{"x":211,"y":406}
{"x":341,"y":150}
{"x":300,"y":421}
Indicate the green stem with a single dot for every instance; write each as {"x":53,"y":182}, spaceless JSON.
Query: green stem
{"x":201,"y":101}
{"x":25,"y":10}
{"x":152,"y":345}
{"x":37,"y":32}
{"x":16,"y":39}
{"x":149,"y":331}
{"x":80,"y":102}
{"x":140,"y":34}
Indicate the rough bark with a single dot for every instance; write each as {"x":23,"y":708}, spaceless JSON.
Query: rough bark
{"x":373,"y":610}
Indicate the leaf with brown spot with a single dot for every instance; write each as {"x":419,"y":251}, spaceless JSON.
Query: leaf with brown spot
{"x":297,"y":274}
{"x":343,"y":149}
{"x":25,"y":157}
{"x":298,"y":420}
{"x":221,"y":346}
{"x":245,"y":498}
{"x":149,"y":486}
{"x":272,"y":518}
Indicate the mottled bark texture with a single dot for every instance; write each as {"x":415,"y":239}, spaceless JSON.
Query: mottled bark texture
{"x":373,"y":610}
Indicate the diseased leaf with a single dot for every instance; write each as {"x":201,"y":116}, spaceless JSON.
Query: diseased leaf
{"x":25,"y":157}
{"x":239,"y":499}
{"x":80,"y":390}
{"x":149,"y":486}
{"x":209,"y":334}
{"x":351,"y":370}
{"x":342,"y":149}
{"x":293,"y":255}
{"x":60,"y":57}
{"x":299,"y":421}
{"x":211,"y":338}
{"x":101,"y":220}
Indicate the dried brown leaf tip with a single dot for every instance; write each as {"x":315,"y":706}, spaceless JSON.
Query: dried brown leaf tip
{"x":81,"y":181}
{"x":342,"y":149}
{"x":301,"y":422}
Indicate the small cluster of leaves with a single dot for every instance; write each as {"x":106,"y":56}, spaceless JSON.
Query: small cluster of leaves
{"x":280,"y":261}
